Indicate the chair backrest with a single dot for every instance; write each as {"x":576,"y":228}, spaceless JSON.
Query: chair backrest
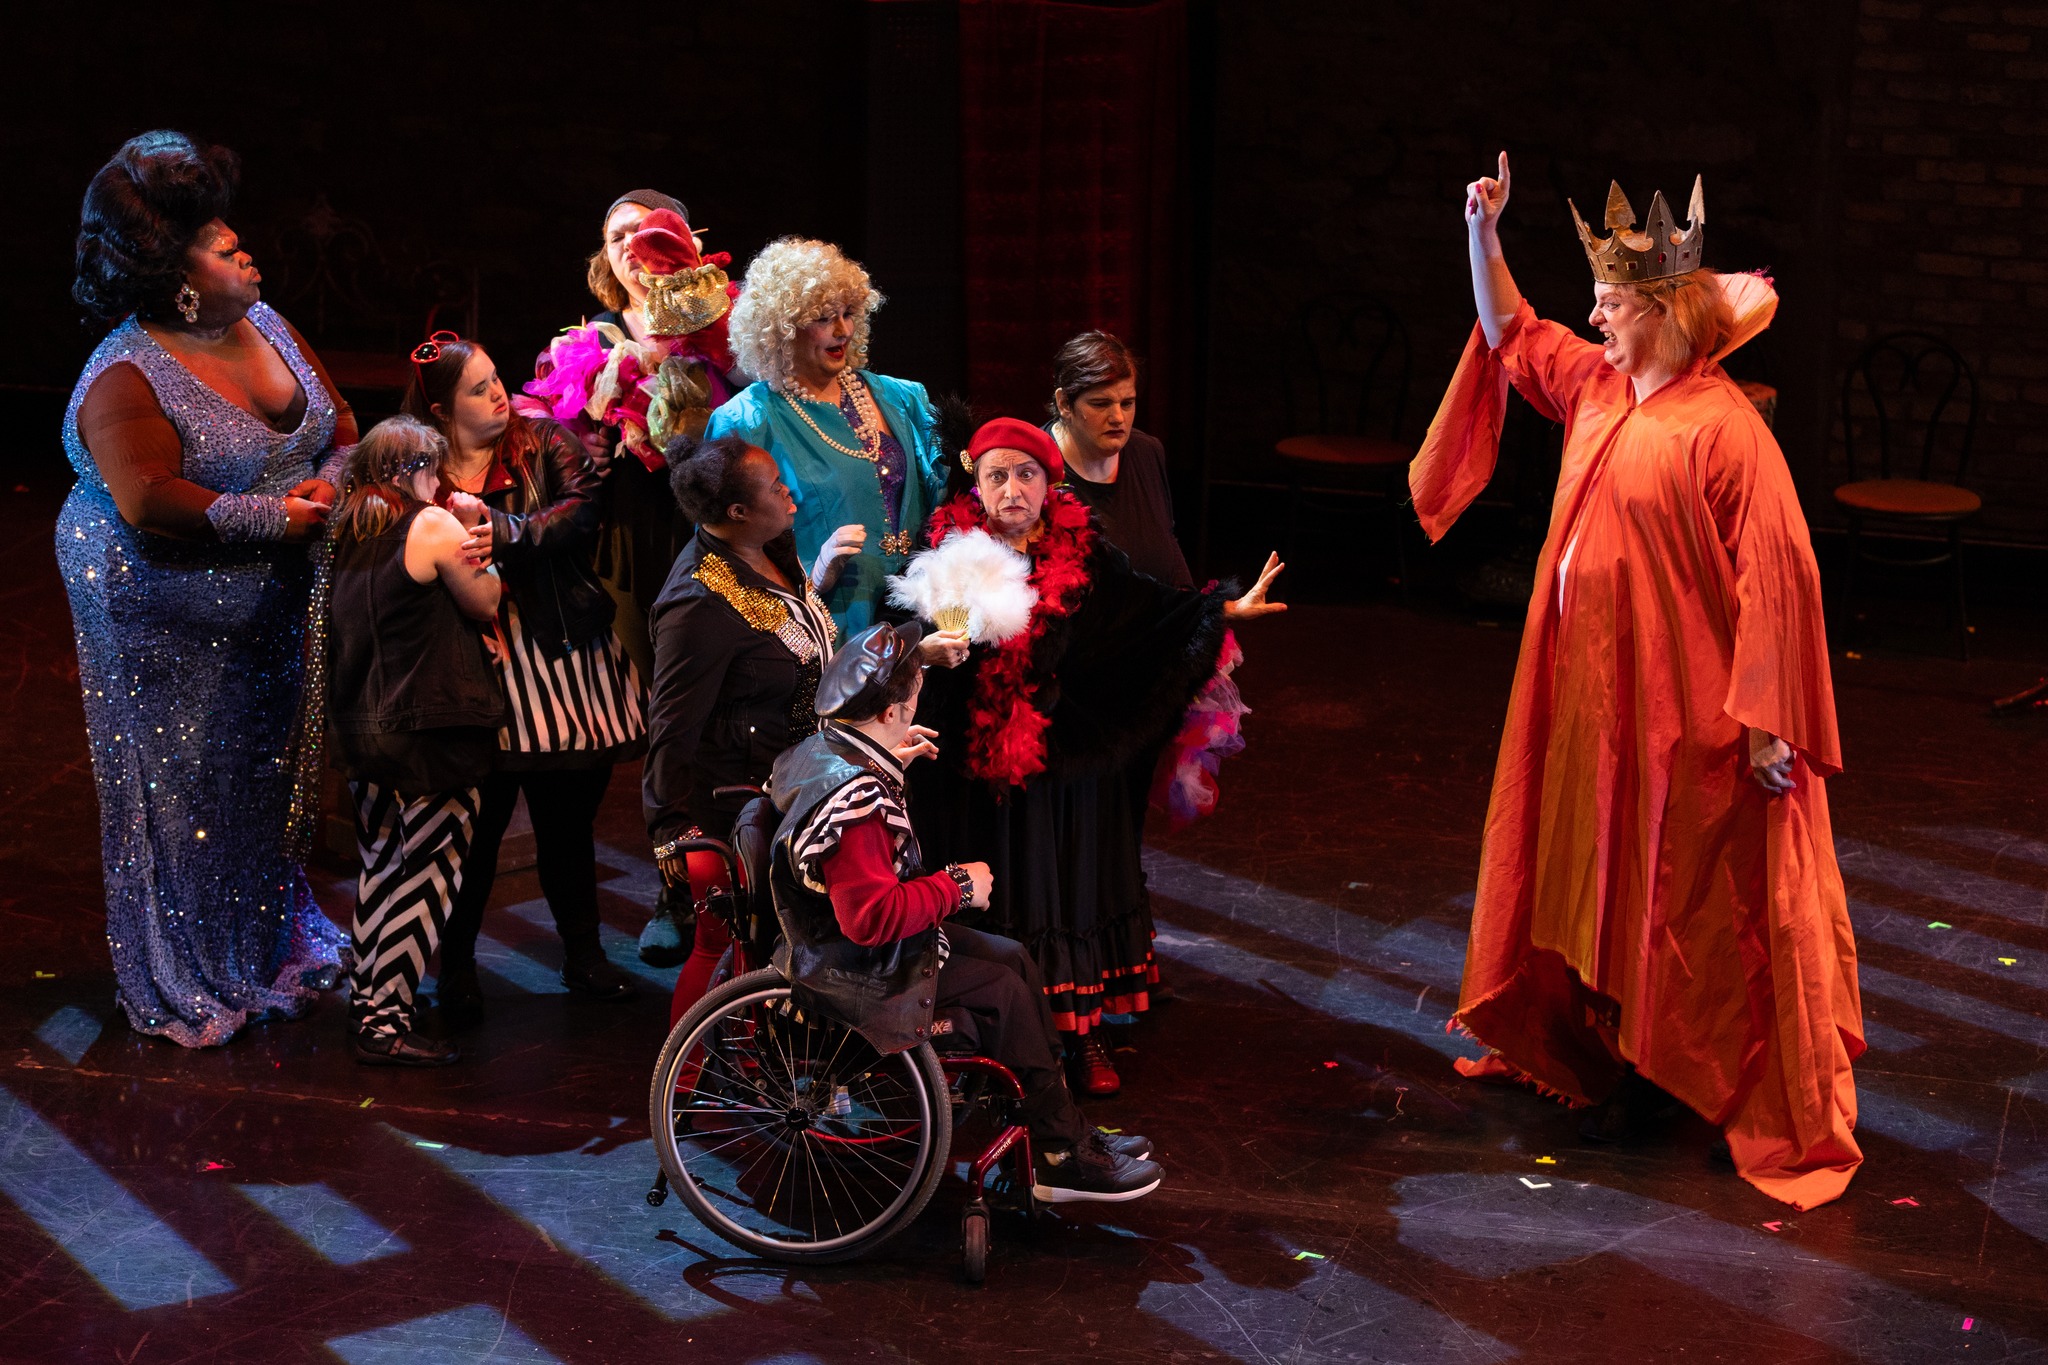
{"x":1910,"y":395}
{"x":753,"y":840}
{"x":1351,"y":375}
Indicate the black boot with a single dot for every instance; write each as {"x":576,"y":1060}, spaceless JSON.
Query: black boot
{"x":588,"y":973}
{"x":1627,"y":1114}
{"x":459,"y":996}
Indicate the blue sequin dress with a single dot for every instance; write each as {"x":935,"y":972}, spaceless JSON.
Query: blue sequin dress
{"x":189,"y":658}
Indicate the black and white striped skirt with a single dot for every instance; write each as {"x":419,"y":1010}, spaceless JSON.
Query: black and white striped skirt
{"x":588,"y":701}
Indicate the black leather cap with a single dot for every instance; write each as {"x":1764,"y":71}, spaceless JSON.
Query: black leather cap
{"x":854,"y":679}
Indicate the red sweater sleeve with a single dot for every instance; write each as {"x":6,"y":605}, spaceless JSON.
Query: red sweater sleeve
{"x":873,"y":906}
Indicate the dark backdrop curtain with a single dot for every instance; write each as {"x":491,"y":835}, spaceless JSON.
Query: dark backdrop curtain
{"x":1073,"y":149}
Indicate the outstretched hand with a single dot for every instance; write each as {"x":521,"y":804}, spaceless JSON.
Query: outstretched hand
{"x":1486,"y":197}
{"x":1254,"y":603}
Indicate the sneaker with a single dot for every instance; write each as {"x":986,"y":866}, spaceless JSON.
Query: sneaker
{"x":1094,"y":1074}
{"x":1133,"y":1145}
{"x":405,"y":1048}
{"x":1092,"y":1173}
{"x":663,"y":942}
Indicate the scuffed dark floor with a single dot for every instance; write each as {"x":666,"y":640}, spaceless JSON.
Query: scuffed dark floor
{"x":1336,"y":1191}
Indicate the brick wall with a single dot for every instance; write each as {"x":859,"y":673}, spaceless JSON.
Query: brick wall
{"x":1945,"y":192}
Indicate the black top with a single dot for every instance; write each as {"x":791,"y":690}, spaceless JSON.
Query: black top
{"x":543,"y":549}
{"x":412,"y":697}
{"x":729,"y":694}
{"x":1136,"y":511}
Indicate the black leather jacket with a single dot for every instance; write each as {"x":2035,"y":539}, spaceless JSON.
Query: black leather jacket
{"x":885,"y":992}
{"x":543,"y":548}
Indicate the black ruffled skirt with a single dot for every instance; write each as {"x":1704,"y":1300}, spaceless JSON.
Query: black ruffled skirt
{"x":1068,"y":881}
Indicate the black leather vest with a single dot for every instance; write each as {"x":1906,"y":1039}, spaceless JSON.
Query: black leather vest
{"x":885,"y":992}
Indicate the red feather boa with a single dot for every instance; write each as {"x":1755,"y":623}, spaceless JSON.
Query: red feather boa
{"x":1006,"y":730}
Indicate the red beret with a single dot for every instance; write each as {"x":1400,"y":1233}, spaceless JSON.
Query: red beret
{"x":1008,"y":433}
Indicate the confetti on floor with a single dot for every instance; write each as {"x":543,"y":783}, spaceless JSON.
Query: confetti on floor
{"x":1908,"y":1201}
{"x":1310,"y":1256}
{"x":1937,"y":924}
{"x":1775,"y":1225}
{"x":1536,"y":1184}
{"x":367,"y":1103}
{"x":1546,"y":1161}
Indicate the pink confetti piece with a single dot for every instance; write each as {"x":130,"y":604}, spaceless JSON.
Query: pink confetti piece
{"x":1969,"y":1324}
{"x":215,"y":1164}
{"x":1329,"y":1066}
{"x":1908,"y":1201}
{"x":1774,"y":1226}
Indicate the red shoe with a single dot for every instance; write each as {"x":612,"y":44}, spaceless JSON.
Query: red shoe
{"x":1098,"y":1077}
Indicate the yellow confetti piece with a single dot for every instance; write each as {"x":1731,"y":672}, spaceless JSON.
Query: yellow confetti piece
{"x":1546,"y":1161}
{"x":367,"y":1103}
{"x":46,"y":976}
{"x":2008,"y":961}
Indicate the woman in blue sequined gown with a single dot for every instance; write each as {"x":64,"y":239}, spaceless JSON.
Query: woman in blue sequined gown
{"x":198,"y":432}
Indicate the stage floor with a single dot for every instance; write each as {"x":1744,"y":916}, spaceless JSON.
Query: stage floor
{"x":1335,"y":1190}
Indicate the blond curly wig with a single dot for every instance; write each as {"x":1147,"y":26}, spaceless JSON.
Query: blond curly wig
{"x":792,"y":283}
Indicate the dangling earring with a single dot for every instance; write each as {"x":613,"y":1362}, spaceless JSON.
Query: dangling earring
{"x":187,"y":303}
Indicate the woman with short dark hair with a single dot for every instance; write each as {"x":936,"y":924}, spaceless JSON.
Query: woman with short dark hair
{"x":1116,"y":469}
{"x":739,"y":637}
{"x":207,"y":441}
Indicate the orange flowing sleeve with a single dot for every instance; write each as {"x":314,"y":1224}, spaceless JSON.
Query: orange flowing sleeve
{"x":1545,"y":362}
{"x":1781,"y":681}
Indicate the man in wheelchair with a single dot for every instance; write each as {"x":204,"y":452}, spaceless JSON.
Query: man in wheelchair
{"x":864,"y":932}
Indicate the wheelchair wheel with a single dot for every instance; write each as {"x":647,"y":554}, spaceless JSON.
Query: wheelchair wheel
{"x":974,"y":1242}
{"x":787,"y":1134}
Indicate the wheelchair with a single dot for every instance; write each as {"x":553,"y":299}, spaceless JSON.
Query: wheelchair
{"x":785,"y":1132}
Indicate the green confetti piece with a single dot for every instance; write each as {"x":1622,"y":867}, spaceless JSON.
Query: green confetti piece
{"x":1310,"y":1256}
{"x":431,"y":1146}
{"x":1937,"y":924}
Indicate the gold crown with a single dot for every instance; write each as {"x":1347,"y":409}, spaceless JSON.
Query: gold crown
{"x":687,"y":301}
{"x":1658,"y":252}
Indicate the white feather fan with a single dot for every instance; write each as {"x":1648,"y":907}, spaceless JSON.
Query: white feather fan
{"x":969,"y":581}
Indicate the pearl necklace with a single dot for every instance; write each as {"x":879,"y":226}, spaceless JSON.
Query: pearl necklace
{"x":867,"y":423}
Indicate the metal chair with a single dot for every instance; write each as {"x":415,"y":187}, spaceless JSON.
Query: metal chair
{"x":1347,"y":399}
{"x":1910,"y":382}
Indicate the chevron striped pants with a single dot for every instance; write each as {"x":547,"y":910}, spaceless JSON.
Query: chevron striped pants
{"x":412,"y":852}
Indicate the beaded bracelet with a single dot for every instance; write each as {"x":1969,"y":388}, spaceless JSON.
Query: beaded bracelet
{"x":663,"y":852}
{"x":248,"y":516}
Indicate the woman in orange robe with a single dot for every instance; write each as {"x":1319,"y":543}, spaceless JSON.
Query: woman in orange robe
{"x":1658,"y":888}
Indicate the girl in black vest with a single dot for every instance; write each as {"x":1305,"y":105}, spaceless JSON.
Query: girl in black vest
{"x":414,"y":704}
{"x":576,"y":699}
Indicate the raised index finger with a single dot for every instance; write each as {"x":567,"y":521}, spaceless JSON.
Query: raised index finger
{"x":1504,"y":174}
